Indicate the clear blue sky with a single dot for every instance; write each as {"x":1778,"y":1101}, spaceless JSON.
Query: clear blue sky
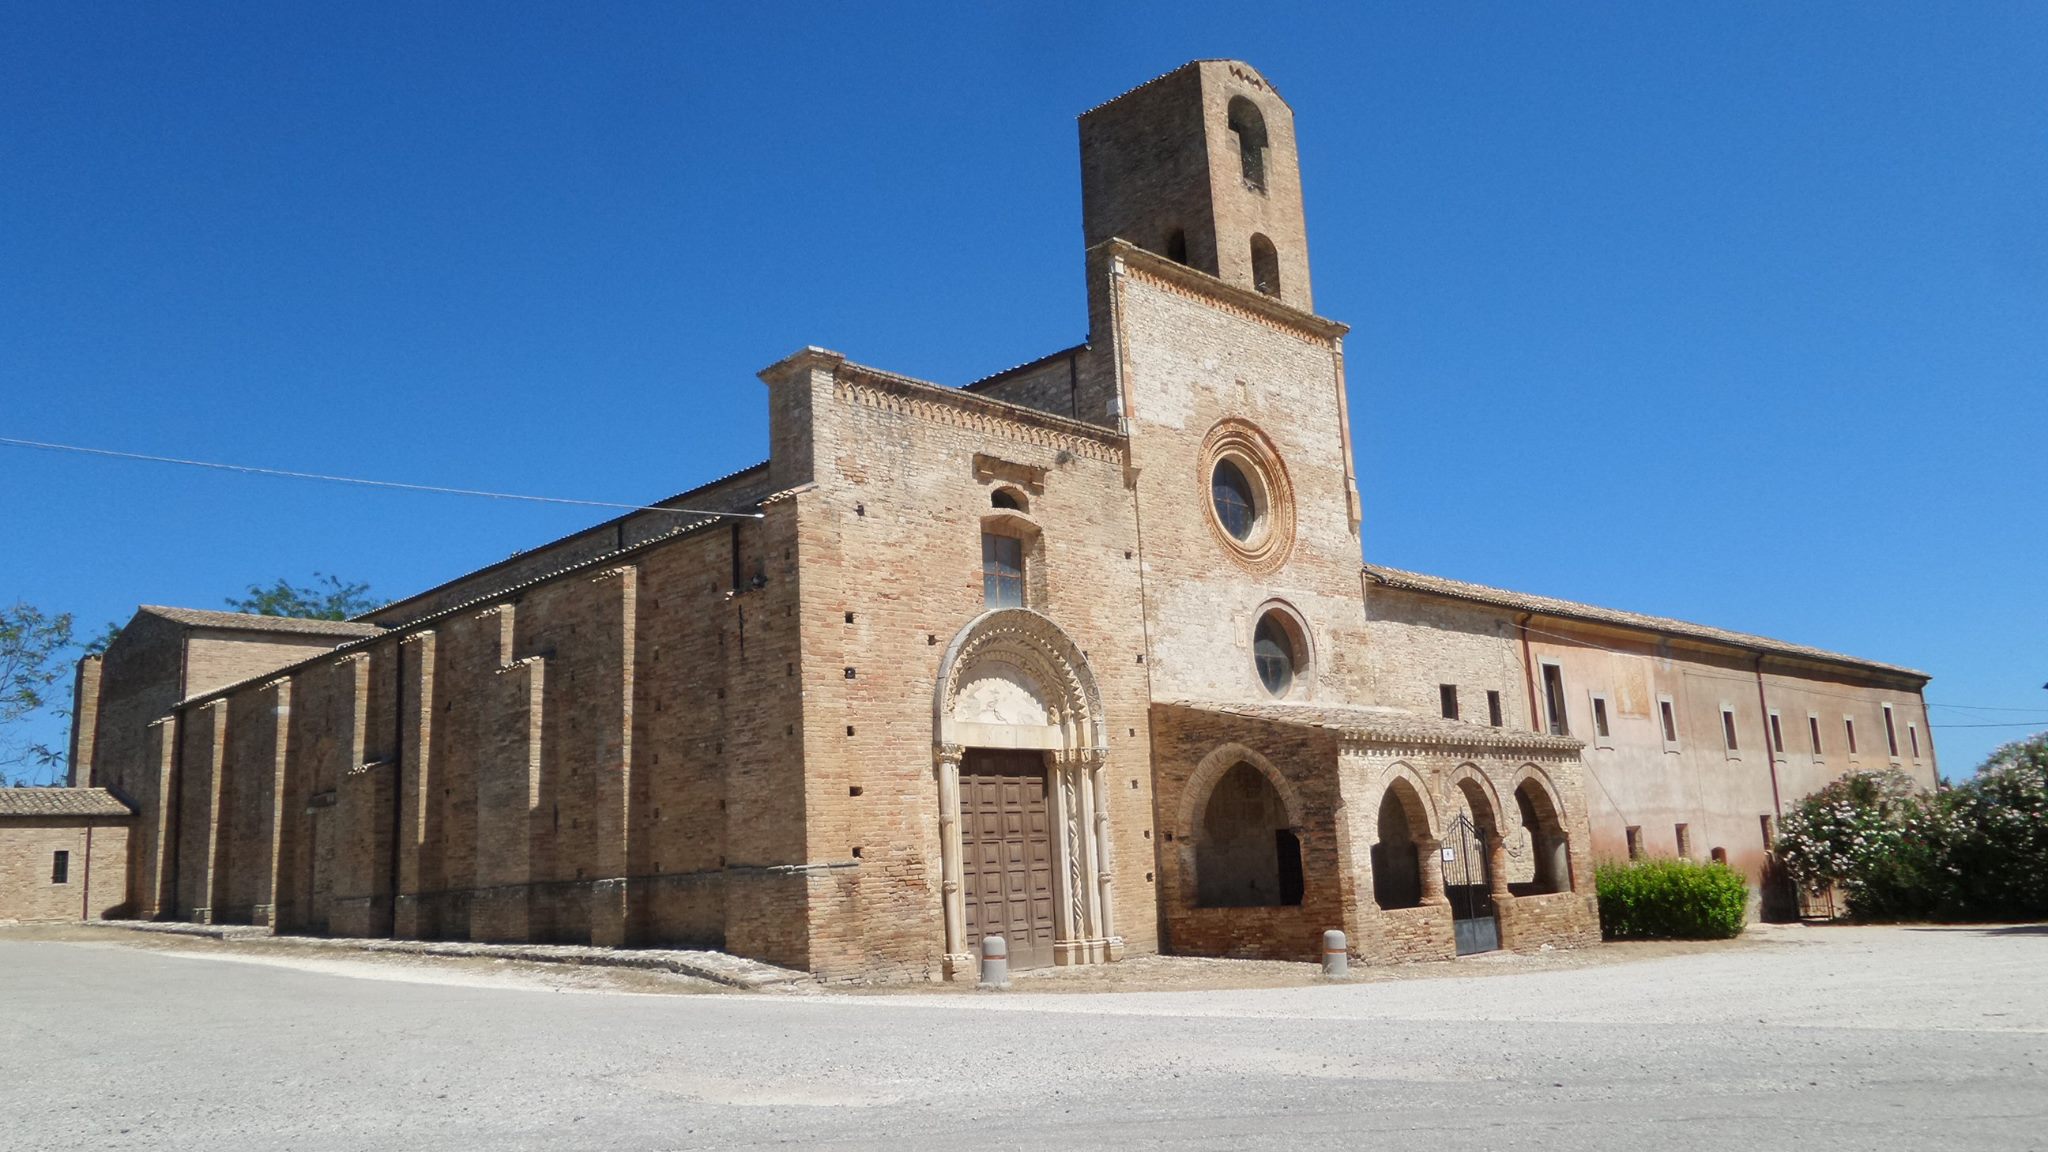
{"x":1737,"y":313}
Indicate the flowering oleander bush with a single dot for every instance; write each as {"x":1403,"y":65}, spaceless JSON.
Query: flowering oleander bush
{"x":1670,"y":900}
{"x":1978,"y":851}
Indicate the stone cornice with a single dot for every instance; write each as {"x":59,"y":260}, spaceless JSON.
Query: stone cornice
{"x":873,"y":388}
{"x":1173,"y":276}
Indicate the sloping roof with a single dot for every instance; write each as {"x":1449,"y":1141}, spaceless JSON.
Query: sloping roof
{"x":1390,"y":725}
{"x":61,"y":802}
{"x":1567,"y":609}
{"x":496,"y":596}
{"x":249,"y":622}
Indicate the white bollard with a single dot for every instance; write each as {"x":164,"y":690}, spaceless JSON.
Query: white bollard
{"x":1336,"y":956}
{"x":995,"y":962}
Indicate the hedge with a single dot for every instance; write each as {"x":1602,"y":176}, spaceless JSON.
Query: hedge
{"x":1670,"y":900}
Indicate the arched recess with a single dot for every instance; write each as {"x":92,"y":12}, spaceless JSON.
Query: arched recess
{"x":1250,"y":127}
{"x":1542,"y":818}
{"x":1240,"y":832}
{"x":1405,"y":833}
{"x":1013,"y":680}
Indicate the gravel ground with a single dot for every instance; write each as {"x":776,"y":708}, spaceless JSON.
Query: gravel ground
{"x":1850,"y":1038}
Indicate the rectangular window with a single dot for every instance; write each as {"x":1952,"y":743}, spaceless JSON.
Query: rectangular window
{"x":1447,"y":697}
{"x":1667,"y":715}
{"x":1684,"y":835}
{"x":1728,"y":728}
{"x":1553,"y":699}
{"x":1600,"y":717}
{"x":1493,"y":708}
{"x":1813,"y":731}
{"x":1913,"y":735}
{"x":1891,"y":734}
{"x":60,"y":868}
{"x":1635,"y":842}
{"x":1770,"y":829}
{"x":1002,"y":571}
{"x":1777,"y":734}
{"x":1849,"y":726}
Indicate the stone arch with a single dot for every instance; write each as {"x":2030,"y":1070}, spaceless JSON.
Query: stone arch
{"x":1401,"y":772}
{"x":1247,"y":853}
{"x":1404,"y":837}
{"x":1542,"y":817}
{"x":1014,"y":679}
{"x":1473,"y":784}
{"x":1194,"y":795}
{"x":1010,"y":681}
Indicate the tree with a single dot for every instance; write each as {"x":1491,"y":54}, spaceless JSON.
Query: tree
{"x":32,"y":648}
{"x":327,"y":598}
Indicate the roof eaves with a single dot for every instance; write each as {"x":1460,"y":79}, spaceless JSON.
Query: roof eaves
{"x":1618,"y":618}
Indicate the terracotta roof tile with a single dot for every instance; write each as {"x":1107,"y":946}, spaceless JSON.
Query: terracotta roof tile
{"x":250,"y":622}
{"x":61,"y":802}
{"x":1567,"y":609}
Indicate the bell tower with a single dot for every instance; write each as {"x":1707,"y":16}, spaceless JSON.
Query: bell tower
{"x":1199,"y":166}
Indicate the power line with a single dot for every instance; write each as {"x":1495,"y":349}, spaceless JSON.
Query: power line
{"x":2022,"y":724}
{"x":253,"y":470}
{"x":1981,"y":708}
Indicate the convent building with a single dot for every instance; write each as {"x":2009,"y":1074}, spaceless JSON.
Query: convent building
{"x":1083,"y":654}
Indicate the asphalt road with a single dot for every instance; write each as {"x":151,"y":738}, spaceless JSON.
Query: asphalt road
{"x":1821,"y":1039}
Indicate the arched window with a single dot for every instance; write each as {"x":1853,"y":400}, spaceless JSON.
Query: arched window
{"x":1274,"y":652}
{"x":1177,"y":246}
{"x":1008,"y":498}
{"x":1549,"y":849}
{"x":1245,"y":854}
{"x":1251,"y":140}
{"x":1396,"y":859}
{"x":1265,"y":266}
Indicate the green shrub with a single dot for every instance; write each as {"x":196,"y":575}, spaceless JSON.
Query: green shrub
{"x":1670,"y":900}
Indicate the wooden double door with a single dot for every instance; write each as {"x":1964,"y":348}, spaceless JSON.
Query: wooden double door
{"x":1006,"y":853}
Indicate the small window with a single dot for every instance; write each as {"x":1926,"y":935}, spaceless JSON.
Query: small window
{"x":1273,"y":652}
{"x":1720,"y":856}
{"x":1777,"y":735}
{"x":1635,"y":842}
{"x":1265,"y":265}
{"x":1849,"y":727}
{"x":1447,"y":699}
{"x":1236,"y":505}
{"x":1913,"y":735}
{"x":1813,"y":732}
{"x":1553,"y":699}
{"x":1728,"y":728}
{"x":1006,"y":498}
{"x":1667,"y":715}
{"x":60,"y":868}
{"x":1683,"y":834}
{"x":1891,"y":734}
{"x":1250,"y":128}
{"x":1002,"y":571}
{"x":1770,"y":830}
{"x":1600,"y":717}
{"x":1177,"y":246}
{"x":1493,"y":708}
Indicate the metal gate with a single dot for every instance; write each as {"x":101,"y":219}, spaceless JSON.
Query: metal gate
{"x":1466,"y":883}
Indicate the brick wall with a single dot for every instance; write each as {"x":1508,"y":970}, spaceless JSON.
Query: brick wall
{"x":96,"y":878}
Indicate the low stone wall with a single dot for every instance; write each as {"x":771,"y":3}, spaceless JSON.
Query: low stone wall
{"x":1404,"y":935}
{"x":1560,"y":919}
{"x":1271,"y":933}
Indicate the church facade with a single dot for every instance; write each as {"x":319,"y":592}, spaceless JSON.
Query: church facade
{"x":1082,"y":654}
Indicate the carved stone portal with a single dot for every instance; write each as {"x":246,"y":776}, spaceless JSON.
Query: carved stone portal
{"x":1011,"y":679}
